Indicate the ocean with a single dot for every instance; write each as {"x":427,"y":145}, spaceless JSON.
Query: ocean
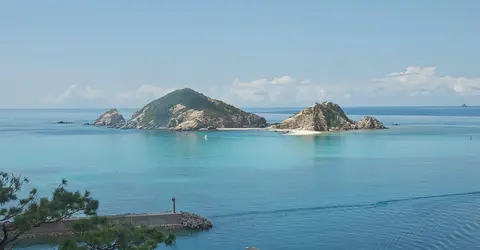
{"x":413,"y":186}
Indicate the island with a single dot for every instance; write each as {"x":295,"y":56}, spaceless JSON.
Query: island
{"x":326,"y":116}
{"x":184,"y":110}
{"x":110,"y":118}
{"x":189,"y":110}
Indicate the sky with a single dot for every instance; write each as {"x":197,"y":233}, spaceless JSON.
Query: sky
{"x":250,"y":53}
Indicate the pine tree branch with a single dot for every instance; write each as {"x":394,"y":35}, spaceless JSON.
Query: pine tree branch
{"x":5,"y":236}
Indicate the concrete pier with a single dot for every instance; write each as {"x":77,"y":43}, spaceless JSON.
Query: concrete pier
{"x":170,"y":220}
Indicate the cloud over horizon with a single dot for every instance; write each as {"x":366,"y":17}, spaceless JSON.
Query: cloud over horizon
{"x":75,"y":93}
{"x":414,"y":83}
{"x":279,"y":91}
{"x":143,"y":94}
{"x":426,"y":81}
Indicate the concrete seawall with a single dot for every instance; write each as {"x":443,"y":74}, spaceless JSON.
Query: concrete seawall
{"x":62,"y":228}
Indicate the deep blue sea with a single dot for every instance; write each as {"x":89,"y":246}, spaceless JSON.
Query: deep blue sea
{"x":413,"y":186}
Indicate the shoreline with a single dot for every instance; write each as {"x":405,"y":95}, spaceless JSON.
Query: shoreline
{"x":297,"y":132}
{"x":284,"y":131}
{"x":268,"y":129}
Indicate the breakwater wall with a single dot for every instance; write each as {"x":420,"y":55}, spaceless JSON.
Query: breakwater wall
{"x":181,"y":220}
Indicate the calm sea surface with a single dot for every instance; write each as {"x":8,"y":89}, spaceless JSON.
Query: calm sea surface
{"x":414,"y":186}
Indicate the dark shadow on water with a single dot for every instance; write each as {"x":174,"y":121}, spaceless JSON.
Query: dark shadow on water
{"x":347,"y":206}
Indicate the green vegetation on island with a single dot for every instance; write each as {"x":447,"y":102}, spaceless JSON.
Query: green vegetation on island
{"x":186,"y":109}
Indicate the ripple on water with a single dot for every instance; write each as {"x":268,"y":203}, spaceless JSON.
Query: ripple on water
{"x":430,"y":222}
{"x":452,"y":221}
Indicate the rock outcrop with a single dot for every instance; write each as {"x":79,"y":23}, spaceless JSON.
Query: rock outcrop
{"x":186,"y":109}
{"x":111,"y":118}
{"x":195,"y":221}
{"x":326,"y":116}
{"x":369,"y":122}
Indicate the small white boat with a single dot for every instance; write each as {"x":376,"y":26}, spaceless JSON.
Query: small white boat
{"x":206,"y":137}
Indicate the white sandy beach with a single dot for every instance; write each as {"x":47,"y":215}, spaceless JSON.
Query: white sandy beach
{"x":286,"y":131}
{"x":303,"y":132}
{"x":242,"y":129}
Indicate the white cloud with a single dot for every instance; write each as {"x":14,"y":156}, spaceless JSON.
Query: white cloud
{"x":283,"y":80}
{"x":254,"y":91}
{"x":465,"y":86}
{"x":414,"y":85}
{"x":67,"y":94}
{"x":92,"y":93}
{"x":311,"y":93}
{"x":415,"y":81}
{"x":149,"y":91}
{"x":145,"y":92}
{"x":283,"y":90}
{"x":74,"y":93}
{"x":306,"y":81}
{"x":417,"y":84}
{"x":140,"y":96}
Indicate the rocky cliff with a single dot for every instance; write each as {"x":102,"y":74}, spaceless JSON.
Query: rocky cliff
{"x":369,"y":122}
{"x":327,"y":116}
{"x":111,"y":118}
{"x":186,"y":109}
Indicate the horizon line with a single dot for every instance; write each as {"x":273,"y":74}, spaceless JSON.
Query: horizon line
{"x":260,"y":107}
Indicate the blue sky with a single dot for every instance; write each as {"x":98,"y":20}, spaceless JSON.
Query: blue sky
{"x":250,"y":53}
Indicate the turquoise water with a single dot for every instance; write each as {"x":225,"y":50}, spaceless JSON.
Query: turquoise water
{"x":414,"y":186}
